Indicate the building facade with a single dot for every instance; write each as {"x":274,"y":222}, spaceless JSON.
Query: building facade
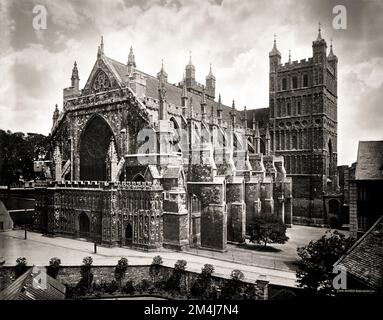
{"x":145,"y":163}
{"x":303,"y":127}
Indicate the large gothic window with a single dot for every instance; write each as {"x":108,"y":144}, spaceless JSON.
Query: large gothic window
{"x":101,"y":82}
{"x":95,"y":141}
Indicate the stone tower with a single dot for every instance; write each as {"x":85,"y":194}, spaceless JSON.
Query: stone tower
{"x":303,"y":125}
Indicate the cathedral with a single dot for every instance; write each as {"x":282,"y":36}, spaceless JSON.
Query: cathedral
{"x":143,"y":163}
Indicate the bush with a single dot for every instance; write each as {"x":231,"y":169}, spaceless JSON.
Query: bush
{"x":268,"y":229}
{"x":120,"y":270}
{"x":237,"y":275}
{"x":157,"y":261}
{"x":128,"y":287}
{"x":202,"y":288}
{"x":180,"y":265}
{"x":174,"y":282}
{"x":207,"y":270}
{"x":21,"y":266}
{"x":106,"y":287}
{"x":86,"y":280}
{"x":145,"y":286}
{"x":54,"y":266}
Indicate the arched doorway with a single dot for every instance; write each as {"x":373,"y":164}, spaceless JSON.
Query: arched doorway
{"x":95,"y":141}
{"x":84,"y":225}
{"x":128,"y":235}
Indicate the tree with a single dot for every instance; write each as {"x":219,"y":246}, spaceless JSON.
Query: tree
{"x":21,"y":266}
{"x":234,"y":289}
{"x":86,"y":280}
{"x":17,"y":153}
{"x":174,"y":282}
{"x":267,"y":229}
{"x":120,"y":270}
{"x":202,"y":288}
{"x":54,"y":266}
{"x":317,"y":260}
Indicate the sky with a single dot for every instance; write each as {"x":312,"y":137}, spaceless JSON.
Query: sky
{"x":234,"y":35}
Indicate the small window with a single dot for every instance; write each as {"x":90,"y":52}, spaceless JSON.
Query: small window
{"x":284,"y":84}
{"x":295,"y":82}
{"x":305,"y":80}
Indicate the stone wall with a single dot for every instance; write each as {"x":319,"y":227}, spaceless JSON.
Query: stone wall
{"x":70,"y":276}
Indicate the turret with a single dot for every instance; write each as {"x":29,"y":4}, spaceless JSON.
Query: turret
{"x":233,"y":115}
{"x":190,"y":73}
{"x":210,"y":83}
{"x":244,"y":119}
{"x":203,"y":105}
{"x":268,"y":149}
{"x":319,"y":48}
{"x":131,"y":62}
{"x":163,"y":112}
{"x":56,"y":115}
{"x":184,"y":97}
{"x":75,"y":80}
{"x":274,"y":56}
{"x":219,"y":110}
{"x":162,"y":75}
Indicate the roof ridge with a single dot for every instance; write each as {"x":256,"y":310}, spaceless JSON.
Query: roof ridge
{"x":359,"y":240}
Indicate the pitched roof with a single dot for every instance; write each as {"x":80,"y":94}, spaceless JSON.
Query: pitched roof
{"x":174,"y":94}
{"x":364,"y":260}
{"x":369,"y":164}
{"x":23,"y":288}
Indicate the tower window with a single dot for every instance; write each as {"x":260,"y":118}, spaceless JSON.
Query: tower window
{"x":284,"y":84}
{"x":305,"y":80}
{"x":295,"y":82}
{"x":288,"y":109}
{"x":299,"y":109}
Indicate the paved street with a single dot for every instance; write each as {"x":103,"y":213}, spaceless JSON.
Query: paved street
{"x":275,"y":264}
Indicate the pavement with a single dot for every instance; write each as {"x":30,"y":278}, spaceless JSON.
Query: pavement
{"x":276,"y":263}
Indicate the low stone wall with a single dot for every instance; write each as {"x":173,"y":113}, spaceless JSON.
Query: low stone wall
{"x":70,"y":276}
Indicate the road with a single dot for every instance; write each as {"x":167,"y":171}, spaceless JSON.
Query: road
{"x":275,"y":265}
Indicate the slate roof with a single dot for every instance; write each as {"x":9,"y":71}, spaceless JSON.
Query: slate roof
{"x":369,"y":164}
{"x":23,"y":289}
{"x":174,"y":94}
{"x":364,"y":260}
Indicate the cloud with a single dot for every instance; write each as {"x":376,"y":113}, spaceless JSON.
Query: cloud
{"x":235,"y":36}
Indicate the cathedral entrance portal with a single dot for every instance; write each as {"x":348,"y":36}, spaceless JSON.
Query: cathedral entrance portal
{"x":95,"y":141}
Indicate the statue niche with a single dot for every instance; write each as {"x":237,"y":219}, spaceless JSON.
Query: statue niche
{"x":95,"y":141}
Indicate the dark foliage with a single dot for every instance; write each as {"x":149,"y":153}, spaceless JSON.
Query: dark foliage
{"x":317,"y":260}
{"x":267,"y":229}
{"x":54,"y":267}
{"x":17,"y":153}
{"x":21,"y":266}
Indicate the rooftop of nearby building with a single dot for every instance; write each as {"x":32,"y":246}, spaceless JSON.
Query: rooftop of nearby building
{"x":24,"y":288}
{"x":369,"y":164}
{"x":364,"y":260}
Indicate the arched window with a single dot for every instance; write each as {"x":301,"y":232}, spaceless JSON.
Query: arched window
{"x":284,"y":84}
{"x":295,"y":82}
{"x":299,"y":109}
{"x":94,"y":144}
{"x":288,"y":109}
{"x":305,"y":80}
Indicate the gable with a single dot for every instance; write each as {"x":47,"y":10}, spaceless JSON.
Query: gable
{"x":103,"y":77}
